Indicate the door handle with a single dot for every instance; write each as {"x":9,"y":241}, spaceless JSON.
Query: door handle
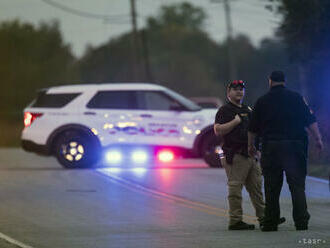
{"x":89,"y":113}
{"x":146,"y":115}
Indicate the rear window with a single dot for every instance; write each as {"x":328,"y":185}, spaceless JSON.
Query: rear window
{"x":45,"y":100}
{"x":113,"y":100}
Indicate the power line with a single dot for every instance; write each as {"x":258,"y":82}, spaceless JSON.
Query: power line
{"x":113,"y":18}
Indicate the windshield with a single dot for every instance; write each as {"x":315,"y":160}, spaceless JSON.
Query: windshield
{"x":184,"y":101}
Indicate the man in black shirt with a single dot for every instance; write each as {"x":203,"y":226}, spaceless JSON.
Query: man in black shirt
{"x":231,"y":123}
{"x":280,"y":118}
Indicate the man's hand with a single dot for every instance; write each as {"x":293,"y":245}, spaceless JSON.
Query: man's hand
{"x":314,"y":130}
{"x":223,"y":129}
{"x":252,"y":151}
{"x":251,"y":147}
{"x":258,"y":155}
{"x":237,"y":119}
{"x":319,"y":145}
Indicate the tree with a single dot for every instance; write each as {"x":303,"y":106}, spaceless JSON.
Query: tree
{"x":179,"y":16}
{"x":306,"y":30}
{"x":180,"y":54}
{"x":31,"y":58}
{"x":183,"y":57}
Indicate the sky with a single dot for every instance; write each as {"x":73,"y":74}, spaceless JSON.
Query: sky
{"x":248,"y":17}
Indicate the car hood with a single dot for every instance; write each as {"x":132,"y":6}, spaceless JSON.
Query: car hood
{"x":205,"y":117}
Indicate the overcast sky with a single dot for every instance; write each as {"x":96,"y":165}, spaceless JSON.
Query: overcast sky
{"x":248,"y":16}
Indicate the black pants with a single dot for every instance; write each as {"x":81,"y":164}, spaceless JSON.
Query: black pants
{"x":289,"y":157}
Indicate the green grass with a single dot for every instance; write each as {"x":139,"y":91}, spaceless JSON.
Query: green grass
{"x":319,"y":170}
{"x":10,"y":133}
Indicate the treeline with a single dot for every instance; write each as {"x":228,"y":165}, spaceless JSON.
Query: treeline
{"x":31,"y":58}
{"x":176,"y":52}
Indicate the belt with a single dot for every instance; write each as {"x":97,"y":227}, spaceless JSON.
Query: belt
{"x":243,"y":152}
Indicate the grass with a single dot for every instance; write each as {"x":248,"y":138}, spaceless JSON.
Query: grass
{"x":319,"y":170}
{"x":10,"y":133}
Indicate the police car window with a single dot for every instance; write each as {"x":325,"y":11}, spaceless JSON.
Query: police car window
{"x":189,"y":105}
{"x":113,"y":100}
{"x":207,"y":105}
{"x":53,"y":100}
{"x":154,"y":100}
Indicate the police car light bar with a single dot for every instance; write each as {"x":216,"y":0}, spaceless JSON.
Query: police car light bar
{"x":139,"y":156}
{"x":165,"y":156}
{"x":113,"y":156}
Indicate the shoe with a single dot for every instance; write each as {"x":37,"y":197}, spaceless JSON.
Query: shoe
{"x":280,"y":221}
{"x":269,"y":228}
{"x":302,"y":227}
{"x":241,"y":226}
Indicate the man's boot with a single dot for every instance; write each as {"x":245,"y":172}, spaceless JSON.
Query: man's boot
{"x":241,"y":226}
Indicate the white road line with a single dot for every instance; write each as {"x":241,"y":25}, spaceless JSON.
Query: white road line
{"x":13,"y":241}
{"x":316,"y":179}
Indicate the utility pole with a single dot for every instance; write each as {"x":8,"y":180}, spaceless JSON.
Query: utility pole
{"x":230,"y":53}
{"x":135,"y":42}
{"x":145,"y":48}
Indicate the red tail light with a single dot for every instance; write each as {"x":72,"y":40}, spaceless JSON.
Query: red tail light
{"x":30,"y":117}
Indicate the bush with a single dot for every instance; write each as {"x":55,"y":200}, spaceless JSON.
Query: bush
{"x":10,"y":133}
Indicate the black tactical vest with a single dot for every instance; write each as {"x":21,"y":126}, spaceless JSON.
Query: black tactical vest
{"x":236,"y":140}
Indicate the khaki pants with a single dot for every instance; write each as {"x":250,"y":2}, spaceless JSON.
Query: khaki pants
{"x":243,"y":171}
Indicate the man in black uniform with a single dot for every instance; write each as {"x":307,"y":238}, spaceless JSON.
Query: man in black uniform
{"x":280,"y":118}
{"x":231,"y":123}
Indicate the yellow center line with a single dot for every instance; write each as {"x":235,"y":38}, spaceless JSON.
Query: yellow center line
{"x":202,"y":207}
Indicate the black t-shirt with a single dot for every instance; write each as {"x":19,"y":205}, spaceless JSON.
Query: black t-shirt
{"x":237,"y":138}
{"x":281,"y":114}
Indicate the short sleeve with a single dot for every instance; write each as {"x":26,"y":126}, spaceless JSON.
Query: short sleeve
{"x":307,"y":113}
{"x":223,"y":116}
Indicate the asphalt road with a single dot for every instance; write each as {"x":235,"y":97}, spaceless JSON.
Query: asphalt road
{"x":180,"y":205}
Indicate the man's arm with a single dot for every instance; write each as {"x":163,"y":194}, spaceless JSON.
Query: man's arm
{"x":223,"y":129}
{"x":310,"y":122}
{"x":314,"y":130}
{"x":254,"y":126}
{"x":251,"y":141}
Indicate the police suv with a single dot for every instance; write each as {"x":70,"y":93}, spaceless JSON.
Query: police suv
{"x":84,"y":125}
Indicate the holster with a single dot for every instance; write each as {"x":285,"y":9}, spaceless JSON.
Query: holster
{"x":229,"y":154}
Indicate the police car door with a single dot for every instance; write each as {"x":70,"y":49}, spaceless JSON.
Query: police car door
{"x":164,"y":119}
{"x":111,"y":116}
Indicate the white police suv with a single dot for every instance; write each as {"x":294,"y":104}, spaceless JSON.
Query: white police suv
{"x":84,"y":125}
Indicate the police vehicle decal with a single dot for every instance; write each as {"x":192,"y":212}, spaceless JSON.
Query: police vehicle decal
{"x":151,"y":129}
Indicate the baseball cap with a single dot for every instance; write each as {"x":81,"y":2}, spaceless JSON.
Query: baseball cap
{"x":277,"y":76}
{"x":236,"y":83}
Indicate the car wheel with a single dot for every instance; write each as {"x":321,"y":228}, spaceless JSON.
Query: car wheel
{"x":75,"y":150}
{"x":211,"y":150}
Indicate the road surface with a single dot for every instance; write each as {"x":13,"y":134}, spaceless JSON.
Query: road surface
{"x":182,"y":204}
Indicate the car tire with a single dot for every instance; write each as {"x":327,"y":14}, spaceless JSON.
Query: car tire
{"x":75,"y":150}
{"x":209,"y":146}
